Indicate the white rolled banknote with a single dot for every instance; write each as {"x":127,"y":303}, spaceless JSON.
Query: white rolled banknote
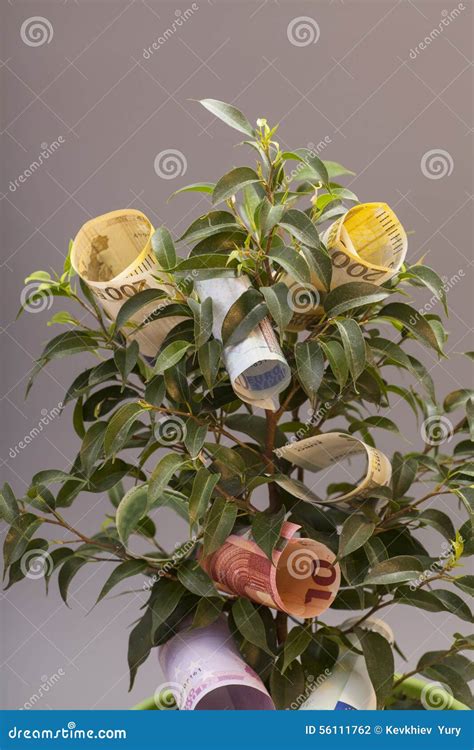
{"x":205,"y":672}
{"x":348,"y":686}
{"x":257,"y":368}
{"x":113,"y":255}
{"x":320,"y":451}
{"x":367,"y":243}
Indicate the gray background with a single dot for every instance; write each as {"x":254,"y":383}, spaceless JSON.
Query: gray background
{"x":379,"y":109}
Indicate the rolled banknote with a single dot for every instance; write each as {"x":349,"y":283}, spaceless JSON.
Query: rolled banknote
{"x":113,"y":255}
{"x":319,"y":452}
{"x":367,"y":243}
{"x":302,"y":579}
{"x":257,"y":368}
{"x":205,"y":672}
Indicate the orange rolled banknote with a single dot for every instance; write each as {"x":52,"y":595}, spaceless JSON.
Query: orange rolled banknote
{"x":301,"y":580}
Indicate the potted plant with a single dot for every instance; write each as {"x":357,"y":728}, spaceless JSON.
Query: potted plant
{"x":169,"y":424}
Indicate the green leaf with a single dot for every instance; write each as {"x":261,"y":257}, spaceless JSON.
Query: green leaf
{"x":287,"y":689}
{"x":335,"y":169}
{"x":195,"y":187}
{"x":232,"y":182}
{"x":300,"y":226}
{"x":219,"y":525}
{"x":228,"y":114}
{"x":92,"y":446}
{"x":337,"y":361}
{"x":250,"y":624}
{"x":202,"y":489}
{"x":396,"y":570}
{"x":195,"y":579}
{"x":439,"y":521}
{"x":454,"y":604}
{"x":170,"y":356}
{"x":70,"y":567}
{"x":119,"y":427}
{"x":276,"y":297}
{"x":310,"y":366}
{"x":126,"y":359}
{"x":266,"y":530}
{"x":120,"y":573}
{"x":355,"y":532}
{"x":207,"y":612}
{"x":293,"y":262}
{"x":243,"y":316}
{"x":319,"y":263}
{"x":354,"y":346}
{"x":403,"y":474}
{"x":202,"y":313}
{"x":353,"y":295}
{"x":165,"y":598}
{"x":139,"y":645}
{"x":456,"y":399}
{"x":209,"y":357}
{"x":8,"y":505}
{"x":214,"y":222}
{"x":430,"y":279}
{"x":379,"y":661}
{"x":383,"y":423}
{"x":411,"y":319}
{"x":297,"y":642}
{"x":194,"y":437}
{"x":155,"y":391}
{"x":18,"y":536}
{"x":162,"y":473}
{"x":465,"y":583}
{"x":163,"y":247}
{"x":131,"y":509}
